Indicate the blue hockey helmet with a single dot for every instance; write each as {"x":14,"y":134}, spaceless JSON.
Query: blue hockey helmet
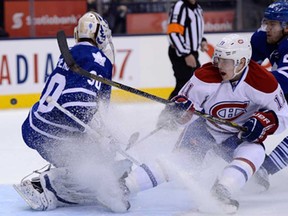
{"x":277,"y":11}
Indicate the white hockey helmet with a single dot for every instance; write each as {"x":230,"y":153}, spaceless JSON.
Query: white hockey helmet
{"x":235,"y":47}
{"x":92,"y":26}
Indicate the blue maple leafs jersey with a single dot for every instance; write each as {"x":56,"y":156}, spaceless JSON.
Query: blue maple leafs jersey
{"x":76,"y":93}
{"x":277,"y":55}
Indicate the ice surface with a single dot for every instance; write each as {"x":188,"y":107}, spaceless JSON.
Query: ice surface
{"x":173,"y":198}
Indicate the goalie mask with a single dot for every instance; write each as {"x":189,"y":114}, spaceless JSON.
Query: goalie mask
{"x":92,"y":26}
{"x":88,"y":27}
{"x":233,"y":47}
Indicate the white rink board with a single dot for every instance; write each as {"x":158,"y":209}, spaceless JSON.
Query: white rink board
{"x":141,"y":62}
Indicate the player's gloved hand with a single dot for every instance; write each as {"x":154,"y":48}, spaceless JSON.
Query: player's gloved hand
{"x":259,"y":126}
{"x":181,"y":110}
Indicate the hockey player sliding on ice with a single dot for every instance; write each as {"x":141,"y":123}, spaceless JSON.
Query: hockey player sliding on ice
{"x":232,"y":88}
{"x":270,"y":41}
{"x":63,"y":142}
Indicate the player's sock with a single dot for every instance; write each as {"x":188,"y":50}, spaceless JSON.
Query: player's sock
{"x":278,"y":158}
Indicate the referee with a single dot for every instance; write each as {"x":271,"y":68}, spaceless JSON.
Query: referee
{"x":185,"y":32}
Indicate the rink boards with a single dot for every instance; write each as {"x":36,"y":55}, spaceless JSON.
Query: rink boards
{"x":141,"y":62}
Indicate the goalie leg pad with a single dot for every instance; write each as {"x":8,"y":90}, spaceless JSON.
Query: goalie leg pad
{"x":86,"y":188}
{"x":48,"y":189}
{"x":145,"y":177}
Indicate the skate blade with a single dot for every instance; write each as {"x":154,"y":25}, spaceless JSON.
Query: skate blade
{"x":28,"y":201}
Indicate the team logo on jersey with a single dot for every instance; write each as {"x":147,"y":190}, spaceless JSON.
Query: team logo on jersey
{"x":229,"y":110}
{"x":99,"y":58}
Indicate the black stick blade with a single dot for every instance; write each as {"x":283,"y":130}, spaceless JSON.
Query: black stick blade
{"x":64,"y":49}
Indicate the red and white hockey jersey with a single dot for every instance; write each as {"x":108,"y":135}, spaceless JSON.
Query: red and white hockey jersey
{"x":257,"y":89}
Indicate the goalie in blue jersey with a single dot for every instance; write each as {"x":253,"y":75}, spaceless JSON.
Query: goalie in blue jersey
{"x":63,"y":142}
{"x":45,"y":124}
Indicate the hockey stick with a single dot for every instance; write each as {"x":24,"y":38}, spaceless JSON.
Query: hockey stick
{"x":63,"y":46}
{"x":132,"y":140}
{"x":49,"y":99}
{"x":132,"y":144}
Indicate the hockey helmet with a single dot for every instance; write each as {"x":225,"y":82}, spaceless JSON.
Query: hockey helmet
{"x":235,"y":47}
{"x":277,"y":11}
{"x":92,"y":26}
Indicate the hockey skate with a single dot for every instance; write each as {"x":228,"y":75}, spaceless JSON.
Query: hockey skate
{"x":126,"y":167}
{"x":223,"y":197}
{"x":261,"y":177}
{"x":125,"y":191}
{"x":33,"y":194}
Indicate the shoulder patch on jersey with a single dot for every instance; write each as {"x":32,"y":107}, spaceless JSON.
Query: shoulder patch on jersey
{"x":99,"y":58}
{"x":208,"y":73}
{"x":260,"y":79}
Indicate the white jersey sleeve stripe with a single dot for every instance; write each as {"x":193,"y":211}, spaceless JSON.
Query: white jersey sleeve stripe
{"x":79,"y":103}
{"x":42,"y":132}
{"x":54,"y":124}
{"x":77,"y":90}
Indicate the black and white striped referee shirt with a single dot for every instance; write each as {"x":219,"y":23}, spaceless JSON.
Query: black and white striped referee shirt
{"x":186,"y":27}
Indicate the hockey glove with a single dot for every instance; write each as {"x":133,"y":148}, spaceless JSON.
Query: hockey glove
{"x":259,"y":126}
{"x":181,"y":110}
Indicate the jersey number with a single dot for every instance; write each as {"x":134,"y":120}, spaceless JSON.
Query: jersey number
{"x":280,"y":101}
{"x":96,"y":83}
{"x":54,"y":89}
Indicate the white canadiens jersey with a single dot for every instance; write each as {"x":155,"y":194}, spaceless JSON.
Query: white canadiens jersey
{"x":257,"y":89}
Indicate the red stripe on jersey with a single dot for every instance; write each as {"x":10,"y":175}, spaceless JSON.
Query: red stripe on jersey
{"x":208,"y":73}
{"x":261,"y":79}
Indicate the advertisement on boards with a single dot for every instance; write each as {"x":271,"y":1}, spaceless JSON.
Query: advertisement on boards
{"x":215,"y":21}
{"x":47,"y":16}
{"x":154,"y":23}
{"x":142,"y":62}
{"x":26,"y":64}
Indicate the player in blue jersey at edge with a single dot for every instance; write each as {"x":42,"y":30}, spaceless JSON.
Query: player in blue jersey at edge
{"x":270,"y":41}
{"x":63,"y":142}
